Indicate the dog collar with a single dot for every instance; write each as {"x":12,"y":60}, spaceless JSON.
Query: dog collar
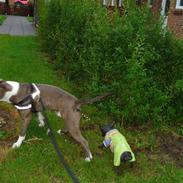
{"x":27,"y":102}
{"x":23,"y":107}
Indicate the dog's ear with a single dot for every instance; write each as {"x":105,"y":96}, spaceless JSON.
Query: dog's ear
{"x":102,"y":130}
{"x":1,"y":80}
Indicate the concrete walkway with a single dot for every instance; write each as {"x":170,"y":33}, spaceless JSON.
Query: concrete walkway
{"x":17,"y":26}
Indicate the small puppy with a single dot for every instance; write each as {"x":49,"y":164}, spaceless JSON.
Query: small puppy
{"x":26,"y":98}
{"x":118,"y":145}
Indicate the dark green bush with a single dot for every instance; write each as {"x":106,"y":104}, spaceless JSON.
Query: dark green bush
{"x":130,"y":55}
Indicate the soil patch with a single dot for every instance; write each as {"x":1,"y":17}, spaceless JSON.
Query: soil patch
{"x":170,"y":149}
{"x":163,"y":145}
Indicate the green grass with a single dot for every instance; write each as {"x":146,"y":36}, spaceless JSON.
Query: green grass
{"x":2,"y":18}
{"x":21,"y":60}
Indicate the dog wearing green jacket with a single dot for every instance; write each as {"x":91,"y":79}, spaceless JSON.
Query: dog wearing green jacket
{"x":118,"y":145}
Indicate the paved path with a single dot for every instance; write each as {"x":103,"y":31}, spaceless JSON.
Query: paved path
{"x":17,"y":25}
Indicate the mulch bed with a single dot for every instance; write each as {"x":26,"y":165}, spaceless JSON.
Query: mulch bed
{"x":9,"y":125}
{"x":170,"y":149}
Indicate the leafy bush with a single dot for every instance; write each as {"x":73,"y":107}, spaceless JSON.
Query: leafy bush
{"x":2,"y":18}
{"x":130,"y":55}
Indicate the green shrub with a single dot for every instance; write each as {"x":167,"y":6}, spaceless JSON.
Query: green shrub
{"x":130,"y":55}
{"x":2,"y":18}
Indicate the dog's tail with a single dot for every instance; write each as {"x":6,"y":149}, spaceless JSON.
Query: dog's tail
{"x":80,"y":102}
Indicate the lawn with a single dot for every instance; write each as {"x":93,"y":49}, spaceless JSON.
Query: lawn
{"x":2,"y":18}
{"x":36,"y":161}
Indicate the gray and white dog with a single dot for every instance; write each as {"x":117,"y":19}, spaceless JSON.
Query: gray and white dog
{"x":55,"y":99}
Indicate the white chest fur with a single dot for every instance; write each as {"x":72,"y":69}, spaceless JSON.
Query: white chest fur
{"x":15,"y":87}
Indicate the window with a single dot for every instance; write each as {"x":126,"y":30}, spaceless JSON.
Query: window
{"x":150,"y":3}
{"x":179,"y":4}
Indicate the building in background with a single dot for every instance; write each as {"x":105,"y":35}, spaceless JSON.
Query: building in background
{"x":2,"y":7}
{"x":175,"y":17}
{"x":16,"y":7}
{"x":172,"y":12}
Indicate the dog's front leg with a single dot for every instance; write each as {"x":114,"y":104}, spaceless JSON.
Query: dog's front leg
{"x":41,"y":119}
{"x":26,"y":117}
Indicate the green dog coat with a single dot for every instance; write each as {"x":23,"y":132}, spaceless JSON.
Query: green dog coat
{"x":118,"y":145}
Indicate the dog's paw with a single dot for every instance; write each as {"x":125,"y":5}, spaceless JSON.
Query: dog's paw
{"x":87,"y":159}
{"x":16,"y":145}
{"x":48,"y":131}
{"x":41,"y":124}
{"x":59,"y":132}
{"x":62,"y":132}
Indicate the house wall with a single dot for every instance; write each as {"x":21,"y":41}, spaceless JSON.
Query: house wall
{"x":11,"y":2}
{"x":175,"y":19}
{"x":156,"y":7}
{"x":175,"y":16}
{"x":2,"y":8}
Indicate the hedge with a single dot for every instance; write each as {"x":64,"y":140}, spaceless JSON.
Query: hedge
{"x":130,"y":55}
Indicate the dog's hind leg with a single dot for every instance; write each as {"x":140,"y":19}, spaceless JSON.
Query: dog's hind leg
{"x":76,"y":134}
{"x":26,"y":117}
{"x":72,"y":124}
{"x":64,"y":130}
